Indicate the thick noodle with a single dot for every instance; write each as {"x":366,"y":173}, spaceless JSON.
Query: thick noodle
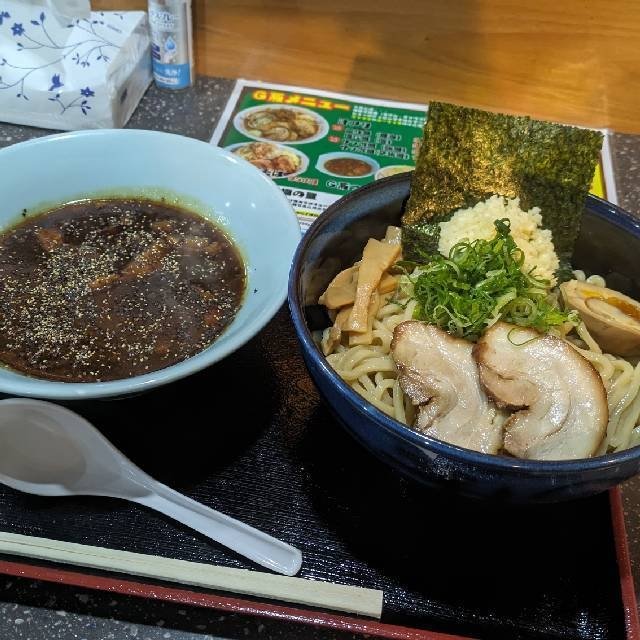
{"x":371,"y":371}
{"x":621,"y":379}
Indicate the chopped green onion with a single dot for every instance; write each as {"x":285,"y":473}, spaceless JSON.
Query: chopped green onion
{"x":481,"y":282}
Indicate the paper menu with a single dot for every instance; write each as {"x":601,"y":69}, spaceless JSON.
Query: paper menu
{"x":319,"y":146}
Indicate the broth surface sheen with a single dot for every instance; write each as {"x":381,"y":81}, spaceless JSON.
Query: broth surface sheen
{"x":109,"y":289}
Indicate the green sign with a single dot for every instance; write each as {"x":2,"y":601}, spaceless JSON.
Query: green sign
{"x":319,"y":146}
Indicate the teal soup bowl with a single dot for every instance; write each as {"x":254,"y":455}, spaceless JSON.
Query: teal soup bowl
{"x":246,"y":205}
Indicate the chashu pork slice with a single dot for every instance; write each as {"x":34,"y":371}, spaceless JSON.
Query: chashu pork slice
{"x":439,"y":374}
{"x":563,"y":404}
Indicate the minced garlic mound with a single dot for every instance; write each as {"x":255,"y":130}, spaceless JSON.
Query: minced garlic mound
{"x":526,"y":229}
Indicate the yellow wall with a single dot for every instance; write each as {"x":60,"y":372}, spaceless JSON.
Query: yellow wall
{"x":569,"y":60}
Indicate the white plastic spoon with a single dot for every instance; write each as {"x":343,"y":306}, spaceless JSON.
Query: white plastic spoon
{"x":48,"y":450}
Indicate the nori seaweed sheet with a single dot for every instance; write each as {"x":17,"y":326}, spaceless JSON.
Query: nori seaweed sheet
{"x":468,"y":155}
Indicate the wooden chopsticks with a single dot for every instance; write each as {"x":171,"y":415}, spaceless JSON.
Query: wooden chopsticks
{"x":313,"y":593}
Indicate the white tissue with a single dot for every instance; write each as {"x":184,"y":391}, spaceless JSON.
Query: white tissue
{"x":63,"y":8}
{"x":64,"y":67}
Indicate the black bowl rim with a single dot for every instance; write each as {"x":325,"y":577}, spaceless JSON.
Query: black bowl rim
{"x":602,"y":208}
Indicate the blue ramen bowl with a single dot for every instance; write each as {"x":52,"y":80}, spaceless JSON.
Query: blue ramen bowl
{"x":609,"y":244}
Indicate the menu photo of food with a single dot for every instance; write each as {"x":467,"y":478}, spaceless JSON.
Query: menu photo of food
{"x":347,"y":165}
{"x":293,"y":125}
{"x":276,"y":160}
{"x":392,"y":170}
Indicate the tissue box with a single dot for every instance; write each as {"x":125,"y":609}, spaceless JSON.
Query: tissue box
{"x":79,"y":73}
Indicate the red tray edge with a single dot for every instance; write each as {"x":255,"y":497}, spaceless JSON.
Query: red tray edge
{"x":316,"y":618}
{"x":222,"y":603}
{"x":627,"y":588}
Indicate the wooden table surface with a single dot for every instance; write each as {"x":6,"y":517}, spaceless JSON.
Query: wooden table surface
{"x":572,"y":61}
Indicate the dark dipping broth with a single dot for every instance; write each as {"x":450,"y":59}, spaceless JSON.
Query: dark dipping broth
{"x":351,"y":167}
{"x":108,"y":289}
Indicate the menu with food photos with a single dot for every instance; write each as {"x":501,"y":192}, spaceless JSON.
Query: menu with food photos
{"x":319,"y":146}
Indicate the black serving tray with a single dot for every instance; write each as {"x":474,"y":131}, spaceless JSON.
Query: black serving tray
{"x":250,"y":437}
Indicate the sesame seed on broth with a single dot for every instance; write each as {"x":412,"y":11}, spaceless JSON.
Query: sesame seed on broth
{"x":108,"y":289}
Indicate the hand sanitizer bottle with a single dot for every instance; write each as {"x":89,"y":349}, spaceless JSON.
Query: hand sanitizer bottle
{"x":171,"y":43}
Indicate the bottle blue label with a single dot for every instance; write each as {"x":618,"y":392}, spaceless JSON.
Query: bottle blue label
{"x":171,"y":76}
{"x":171,"y":46}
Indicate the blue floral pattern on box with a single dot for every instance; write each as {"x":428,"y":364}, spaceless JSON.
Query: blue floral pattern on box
{"x":66,"y":64}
